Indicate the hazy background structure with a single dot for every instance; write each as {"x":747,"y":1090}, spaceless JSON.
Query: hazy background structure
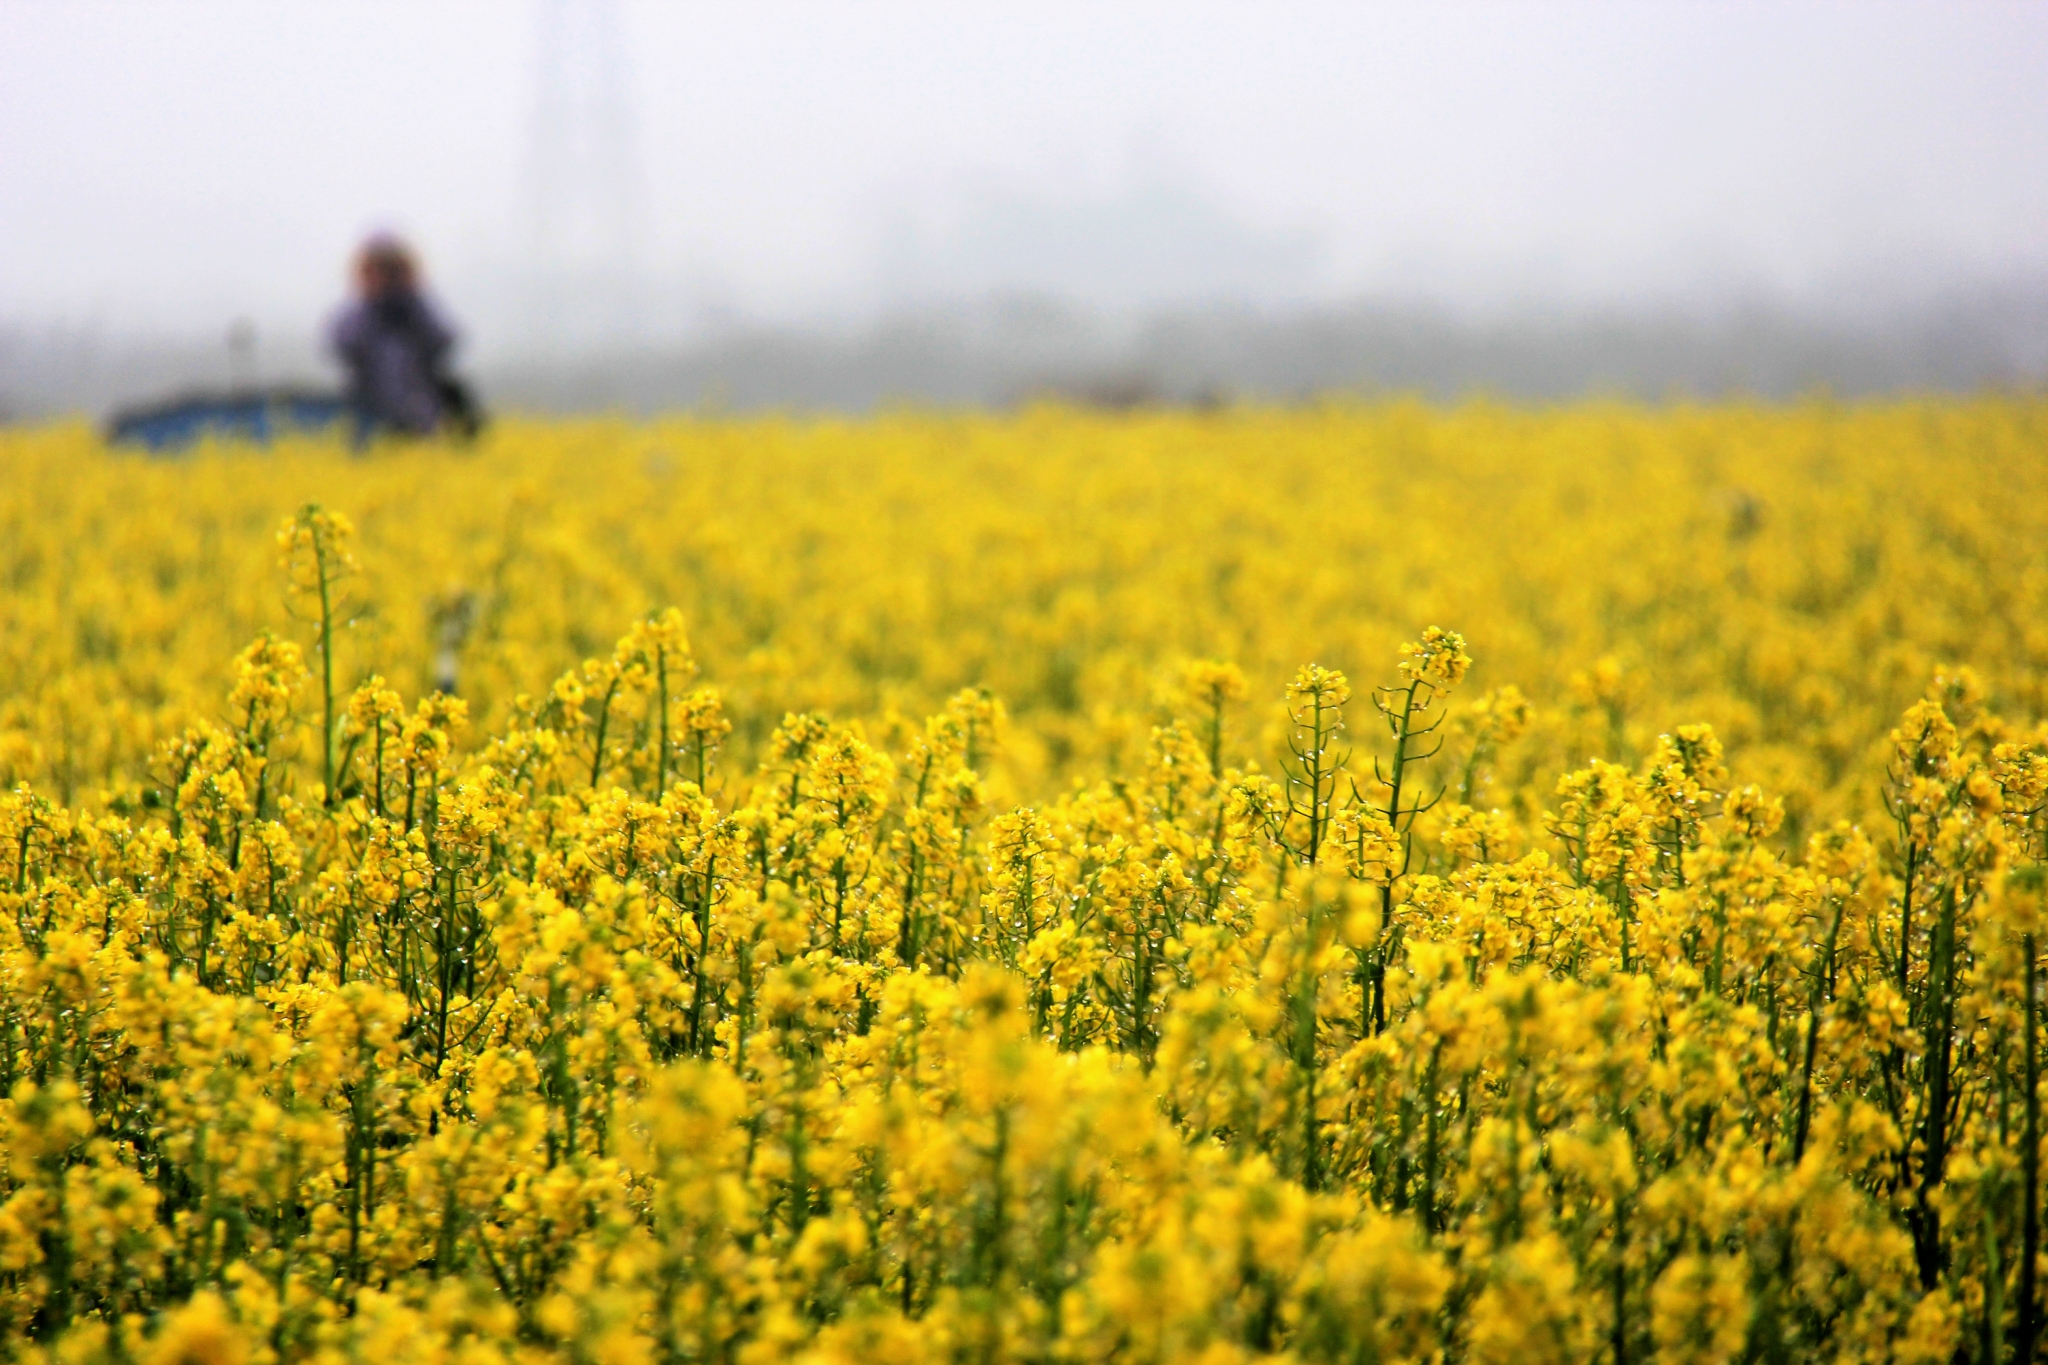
{"x":585,"y":192}
{"x":647,"y":205}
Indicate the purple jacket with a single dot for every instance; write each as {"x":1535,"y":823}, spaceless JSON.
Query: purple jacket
{"x":395,"y":347}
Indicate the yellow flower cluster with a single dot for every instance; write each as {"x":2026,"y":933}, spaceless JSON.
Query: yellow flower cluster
{"x":557,"y":938}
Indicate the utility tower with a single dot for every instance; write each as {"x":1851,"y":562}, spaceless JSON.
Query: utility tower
{"x":585,"y":181}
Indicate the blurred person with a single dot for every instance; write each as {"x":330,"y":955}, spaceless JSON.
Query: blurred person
{"x":396,"y":346}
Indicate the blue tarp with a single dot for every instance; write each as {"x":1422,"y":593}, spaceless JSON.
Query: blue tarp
{"x":259,"y":417}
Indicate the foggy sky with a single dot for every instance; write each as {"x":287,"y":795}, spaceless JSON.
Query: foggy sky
{"x":164,"y":166}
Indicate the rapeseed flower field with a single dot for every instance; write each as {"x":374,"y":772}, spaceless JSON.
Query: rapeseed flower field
{"x":1349,"y":883}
